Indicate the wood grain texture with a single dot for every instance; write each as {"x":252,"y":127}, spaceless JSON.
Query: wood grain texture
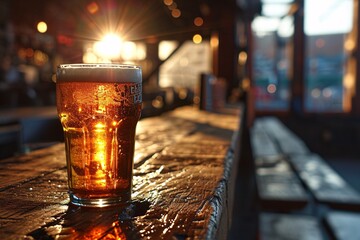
{"x":185,"y":166}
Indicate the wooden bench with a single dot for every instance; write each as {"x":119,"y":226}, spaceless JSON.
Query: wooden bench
{"x":343,"y":225}
{"x":185,"y":170}
{"x":288,"y":143}
{"x":275,"y":146}
{"x":278,"y":186}
{"x":325,"y":184}
{"x":285,"y":226}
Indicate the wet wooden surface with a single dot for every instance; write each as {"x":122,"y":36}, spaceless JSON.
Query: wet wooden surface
{"x":185,"y":169}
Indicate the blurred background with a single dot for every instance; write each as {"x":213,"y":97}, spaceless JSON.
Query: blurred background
{"x":173,"y":41}
{"x":296,"y":59}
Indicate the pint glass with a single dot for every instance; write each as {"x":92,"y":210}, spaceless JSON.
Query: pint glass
{"x":99,"y":106}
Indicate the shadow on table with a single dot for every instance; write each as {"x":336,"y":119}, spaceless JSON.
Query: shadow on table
{"x":94,"y":223}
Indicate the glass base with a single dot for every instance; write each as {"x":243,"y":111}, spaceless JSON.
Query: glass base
{"x":98,"y":202}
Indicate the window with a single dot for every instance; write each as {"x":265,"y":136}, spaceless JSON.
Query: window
{"x":183,"y":69}
{"x":272,"y":56}
{"x":329,"y":66}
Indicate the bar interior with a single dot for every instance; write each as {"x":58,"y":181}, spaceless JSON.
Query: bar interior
{"x":249,"y":127}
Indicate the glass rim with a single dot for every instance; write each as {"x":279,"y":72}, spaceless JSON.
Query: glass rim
{"x":99,"y":65}
{"x":98,"y":72}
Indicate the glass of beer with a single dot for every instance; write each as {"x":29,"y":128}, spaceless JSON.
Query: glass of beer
{"x":99,"y":106}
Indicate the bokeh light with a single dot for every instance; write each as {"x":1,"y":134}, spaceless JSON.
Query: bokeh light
{"x":128,"y":51}
{"x":197,"y":38}
{"x":198,"y":21}
{"x":92,"y":7}
{"x":42,"y":27}
{"x":176,"y":13}
{"x":166,"y":48}
{"x":242,"y":57}
{"x":271,"y":88}
{"x":168,"y":2}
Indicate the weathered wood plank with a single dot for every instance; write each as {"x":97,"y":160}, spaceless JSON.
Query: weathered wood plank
{"x":326,"y":185}
{"x":182,"y":184}
{"x":154,"y":134}
{"x":287,"y":141}
{"x":296,"y":227}
{"x":344,"y":225}
{"x":180,"y":207}
{"x":278,"y":186}
{"x":26,"y":167}
{"x":262,"y":145}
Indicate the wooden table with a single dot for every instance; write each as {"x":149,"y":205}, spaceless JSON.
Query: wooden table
{"x":185,"y":169}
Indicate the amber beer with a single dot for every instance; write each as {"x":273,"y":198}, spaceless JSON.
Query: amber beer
{"x":99,"y":106}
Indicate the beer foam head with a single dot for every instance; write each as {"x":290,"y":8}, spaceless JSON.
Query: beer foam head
{"x":105,"y":72}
